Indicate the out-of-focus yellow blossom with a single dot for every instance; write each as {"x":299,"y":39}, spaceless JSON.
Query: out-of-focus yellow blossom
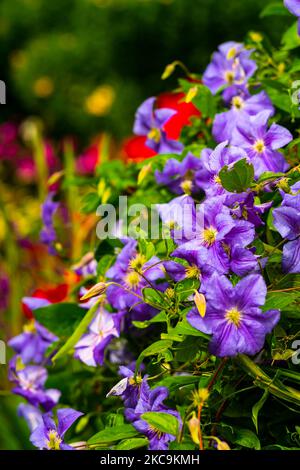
{"x":43,"y":87}
{"x":100,"y":101}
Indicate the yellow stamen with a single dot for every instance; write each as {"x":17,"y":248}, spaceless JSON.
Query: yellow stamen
{"x":30,"y":327}
{"x":138,"y":262}
{"x":237,"y":102}
{"x":186,"y":186}
{"x":233,"y":316}
{"x":154,"y":134}
{"x":217,"y":179}
{"x":209,"y":236}
{"x":259,"y":146}
{"x":132,"y":279}
{"x":192,"y":272}
{"x":53,"y":440}
{"x":229,"y":76}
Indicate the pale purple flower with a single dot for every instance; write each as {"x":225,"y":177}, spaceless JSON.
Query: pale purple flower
{"x":230,"y":66}
{"x":48,"y":234}
{"x":150,"y":122}
{"x":294,"y":7}
{"x":31,"y":414}
{"x":287,"y":222}
{"x":90,"y":348}
{"x":261,"y":144}
{"x":30,"y":382}
{"x":179,"y":177}
{"x":33,"y":343}
{"x":241,"y":108}
{"x":234,"y":317}
{"x":49,"y":435}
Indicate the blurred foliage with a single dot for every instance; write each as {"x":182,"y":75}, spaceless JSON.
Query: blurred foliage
{"x":85,"y":65}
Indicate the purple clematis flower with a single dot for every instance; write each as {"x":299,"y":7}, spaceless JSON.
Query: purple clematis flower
{"x":197,"y":267}
{"x":241,"y":108}
{"x":294,"y":7}
{"x":231,"y":66}
{"x":261,"y":143}
{"x":287,"y":222}
{"x":90,"y":348}
{"x":150,"y":122}
{"x":128,"y":388}
{"x":30,"y":382}
{"x":179,"y":176}
{"x":152,"y":400}
{"x":212,"y":163}
{"x":31,"y":414}
{"x":49,"y":435}
{"x":48,"y":234}
{"x":223,"y":238}
{"x":32,"y":344}
{"x":125,"y":272}
{"x":234,"y":317}
{"x":244,"y":206}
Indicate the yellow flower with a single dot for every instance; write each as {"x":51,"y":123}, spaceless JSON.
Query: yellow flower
{"x":43,"y":87}
{"x":100,"y":101}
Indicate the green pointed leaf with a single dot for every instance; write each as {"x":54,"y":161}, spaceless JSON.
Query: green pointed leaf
{"x":79,"y":331}
{"x":257,"y":407}
{"x":113,"y":434}
{"x":164,"y":422}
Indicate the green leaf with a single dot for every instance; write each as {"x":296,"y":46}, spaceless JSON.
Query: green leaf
{"x":153,"y":349}
{"x":161,"y":317}
{"x":135,"y":443}
{"x":164,"y":422}
{"x":276,"y":8}
{"x":79,"y":331}
{"x":247,"y":438}
{"x":280,"y":300}
{"x":117,"y":433}
{"x":257,"y":407}
{"x":238,"y":178}
{"x":61,"y":318}
{"x":291,"y":39}
{"x":183,"y":327}
{"x":184,"y":289}
{"x":153,"y":297}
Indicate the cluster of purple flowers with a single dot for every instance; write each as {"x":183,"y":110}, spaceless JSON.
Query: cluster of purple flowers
{"x":138,"y":399}
{"x":28,"y":373}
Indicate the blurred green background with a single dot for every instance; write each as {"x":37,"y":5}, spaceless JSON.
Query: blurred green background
{"x":85,"y":65}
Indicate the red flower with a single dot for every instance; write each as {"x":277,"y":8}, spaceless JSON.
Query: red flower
{"x":53,"y":295}
{"x":184,"y":110}
{"x":135,"y":150}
